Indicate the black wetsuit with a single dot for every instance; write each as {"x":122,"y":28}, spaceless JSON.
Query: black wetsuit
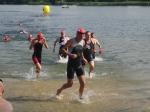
{"x":61,"y":42}
{"x":37,"y":52}
{"x":75,"y":65}
{"x":88,"y":51}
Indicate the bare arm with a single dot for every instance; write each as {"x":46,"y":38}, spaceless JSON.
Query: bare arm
{"x":45,"y":44}
{"x":98,"y":43}
{"x":101,"y":50}
{"x":66,"y":46}
{"x":83,"y":58}
{"x":55,"y":42}
{"x":32,"y":44}
{"x":64,"y":49}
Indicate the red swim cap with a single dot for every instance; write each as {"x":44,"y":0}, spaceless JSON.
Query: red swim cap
{"x":40,"y":35}
{"x":81,"y":30}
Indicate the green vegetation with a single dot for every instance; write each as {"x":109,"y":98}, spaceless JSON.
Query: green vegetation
{"x":80,"y":2}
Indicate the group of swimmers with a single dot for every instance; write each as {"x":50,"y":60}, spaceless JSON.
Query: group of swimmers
{"x":80,"y":50}
{"x":89,"y":48}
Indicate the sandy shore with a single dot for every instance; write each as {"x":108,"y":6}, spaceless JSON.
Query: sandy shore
{"x":102,"y":95}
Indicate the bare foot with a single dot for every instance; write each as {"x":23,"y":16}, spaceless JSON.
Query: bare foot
{"x":59,"y":97}
{"x":91,"y":75}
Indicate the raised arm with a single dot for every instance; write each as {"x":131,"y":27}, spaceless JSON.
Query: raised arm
{"x":32,"y":44}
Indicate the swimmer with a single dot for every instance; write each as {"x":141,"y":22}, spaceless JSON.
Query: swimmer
{"x":6,"y":38}
{"x":23,"y":32}
{"x":62,"y":40}
{"x":30,"y":37}
{"x":74,"y":65}
{"x":88,"y":52}
{"x":37,"y":45}
{"x":96,"y":42}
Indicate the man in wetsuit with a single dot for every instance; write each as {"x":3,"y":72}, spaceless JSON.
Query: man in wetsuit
{"x":74,"y":65}
{"x":62,"y":40}
{"x":37,"y":45}
{"x":5,"y":106}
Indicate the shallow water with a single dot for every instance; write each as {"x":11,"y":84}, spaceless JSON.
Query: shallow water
{"x":100,"y":95}
{"x":121,"y":80}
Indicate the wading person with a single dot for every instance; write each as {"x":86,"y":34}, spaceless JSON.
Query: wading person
{"x":37,"y":45}
{"x":62,"y":40}
{"x":74,"y":65}
{"x":96,"y":43}
{"x":88,"y":52}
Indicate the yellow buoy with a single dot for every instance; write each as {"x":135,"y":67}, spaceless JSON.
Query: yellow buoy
{"x":46,"y":10}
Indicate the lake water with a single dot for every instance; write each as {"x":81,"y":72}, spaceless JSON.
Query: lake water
{"x":121,"y":82}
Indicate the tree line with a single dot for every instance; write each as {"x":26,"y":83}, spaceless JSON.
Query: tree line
{"x":53,"y":2}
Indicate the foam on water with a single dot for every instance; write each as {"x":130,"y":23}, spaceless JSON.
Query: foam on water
{"x":86,"y":99}
{"x":32,"y":75}
{"x":98,"y":59}
{"x":62,"y":60}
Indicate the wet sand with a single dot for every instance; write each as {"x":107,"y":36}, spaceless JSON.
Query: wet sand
{"x":101,"y":95}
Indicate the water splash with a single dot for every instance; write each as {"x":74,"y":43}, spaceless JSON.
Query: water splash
{"x":86,"y":99}
{"x":32,"y":75}
{"x":62,"y":60}
{"x":98,"y":59}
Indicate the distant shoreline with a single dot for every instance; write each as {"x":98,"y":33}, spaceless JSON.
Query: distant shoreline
{"x":129,"y":3}
{"x":108,"y":3}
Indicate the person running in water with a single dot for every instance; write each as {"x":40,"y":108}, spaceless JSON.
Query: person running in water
{"x":74,"y":65}
{"x":96,"y":42}
{"x":88,"y":52}
{"x":5,"y":106}
{"x":37,"y":45}
{"x":62,"y":40}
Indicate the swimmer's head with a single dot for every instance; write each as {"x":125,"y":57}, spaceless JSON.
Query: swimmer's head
{"x":88,"y":34}
{"x":39,"y":36}
{"x":80,"y":33}
{"x":81,"y":30}
{"x":92,"y":35}
{"x":62,"y":33}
